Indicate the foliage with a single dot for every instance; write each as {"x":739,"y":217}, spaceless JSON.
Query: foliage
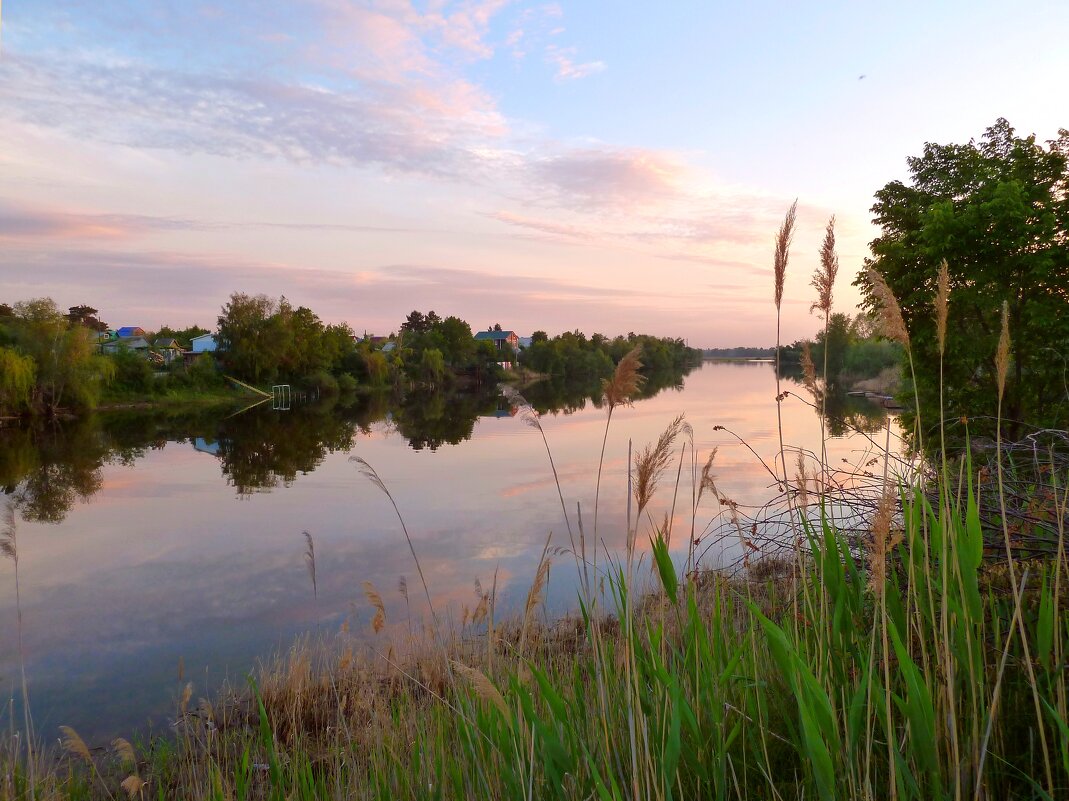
{"x":17,"y":379}
{"x":855,"y":351}
{"x":572,"y":355}
{"x":184,"y":336}
{"x":265,"y":340}
{"x":68,"y":371}
{"x":998,"y":211}
{"x":86,"y":316}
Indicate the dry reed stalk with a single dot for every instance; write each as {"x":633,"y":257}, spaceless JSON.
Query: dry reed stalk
{"x":1002,"y":355}
{"x":942,"y":304}
{"x":74,"y":744}
{"x":809,"y":371}
{"x":530,"y":417}
{"x":649,"y":464}
{"x":483,"y":687}
{"x":625,"y":382}
{"x":783,"y":250}
{"x":124,"y":750}
{"x":708,"y":480}
{"x":891,"y":323}
{"x":615,"y":391}
{"x":536,"y":593}
{"x":133,"y":785}
{"x":378,"y":622}
{"x":187,"y":693}
{"x":883,"y":542}
{"x":369,"y":473}
{"x":803,"y":481}
{"x":824,"y":276}
{"x":310,"y":558}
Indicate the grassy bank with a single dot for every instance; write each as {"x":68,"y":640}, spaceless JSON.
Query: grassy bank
{"x":901,"y":665}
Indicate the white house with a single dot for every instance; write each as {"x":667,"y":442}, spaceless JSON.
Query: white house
{"x":205,"y":343}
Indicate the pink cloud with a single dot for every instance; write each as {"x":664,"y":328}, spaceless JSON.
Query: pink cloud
{"x":616,"y":177}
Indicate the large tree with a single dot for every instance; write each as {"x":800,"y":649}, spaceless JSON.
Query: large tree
{"x":998,"y":211}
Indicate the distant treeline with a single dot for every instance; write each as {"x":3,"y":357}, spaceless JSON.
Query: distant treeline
{"x":51,"y":361}
{"x":739,"y":353}
{"x":572,"y":355}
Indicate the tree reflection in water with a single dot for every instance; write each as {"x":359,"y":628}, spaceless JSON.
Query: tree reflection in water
{"x":45,"y":469}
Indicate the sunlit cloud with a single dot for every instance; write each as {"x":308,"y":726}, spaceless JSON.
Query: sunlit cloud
{"x":596,"y":176}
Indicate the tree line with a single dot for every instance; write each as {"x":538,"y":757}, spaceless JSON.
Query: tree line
{"x":572,"y":355}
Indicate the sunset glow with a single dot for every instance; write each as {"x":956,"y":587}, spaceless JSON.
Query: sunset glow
{"x":607,"y":167}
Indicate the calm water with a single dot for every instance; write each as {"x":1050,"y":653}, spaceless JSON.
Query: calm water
{"x":146,"y":540}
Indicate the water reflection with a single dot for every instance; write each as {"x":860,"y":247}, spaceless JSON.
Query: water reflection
{"x":48,"y":468}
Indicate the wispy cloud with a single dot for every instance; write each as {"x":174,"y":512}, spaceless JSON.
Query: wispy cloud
{"x":618,"y":177}
{"x":563,"y":58}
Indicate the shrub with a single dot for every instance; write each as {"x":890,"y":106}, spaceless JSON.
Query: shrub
{"x":347,"y":383}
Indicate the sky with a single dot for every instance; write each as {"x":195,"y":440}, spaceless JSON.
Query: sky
{"x":602,"y":166}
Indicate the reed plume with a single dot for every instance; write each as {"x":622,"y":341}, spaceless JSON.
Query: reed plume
{"x":891,"y":323}
{"x":187,"y":693}
{"x":133,"y":785}
{"x":781,"y":255}
{"x":824,"y":276}
{"x":124,"y":750}
{"x":649,"y":464}
{"x":803,"y":481}
{"x":883,"y":542}
{"x":708,"y":480}
{"x":783,"y":250}
{"x":809,"y":370}
{"x":310,"y":558}
{"x":626,"y":380}
{"x":483,"y":687}
{"x":74,"y":744}
{"x":620,"y":389}
{"x":942,"y":301}
{"x":373,"y":598}
{"x":1002,"y":355}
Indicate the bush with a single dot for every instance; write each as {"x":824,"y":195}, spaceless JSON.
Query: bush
{"x":133,"y":373}
{"x":323,"y":381}
{"x":347,"y":383}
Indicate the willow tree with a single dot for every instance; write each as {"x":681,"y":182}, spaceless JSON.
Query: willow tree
{"x":17,"y":378}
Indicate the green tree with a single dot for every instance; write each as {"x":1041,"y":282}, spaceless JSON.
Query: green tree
{"x":69,"y":369}
{"x":998,"y":211}
{"x":17,"y":378}
{"x":250,"y":336}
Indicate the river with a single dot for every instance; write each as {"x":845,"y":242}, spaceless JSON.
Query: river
{"x":150,"y":541}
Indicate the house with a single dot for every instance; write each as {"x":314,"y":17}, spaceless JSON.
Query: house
{"x":169,"y":349}
{"x":205,"y":343}
{"x":503,"y":340}
{"x":130,"y":331}
{"x":137,"y":344}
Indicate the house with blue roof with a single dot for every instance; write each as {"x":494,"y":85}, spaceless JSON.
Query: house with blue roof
{"x":503,"y":340}
{"x":130,"y":331}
